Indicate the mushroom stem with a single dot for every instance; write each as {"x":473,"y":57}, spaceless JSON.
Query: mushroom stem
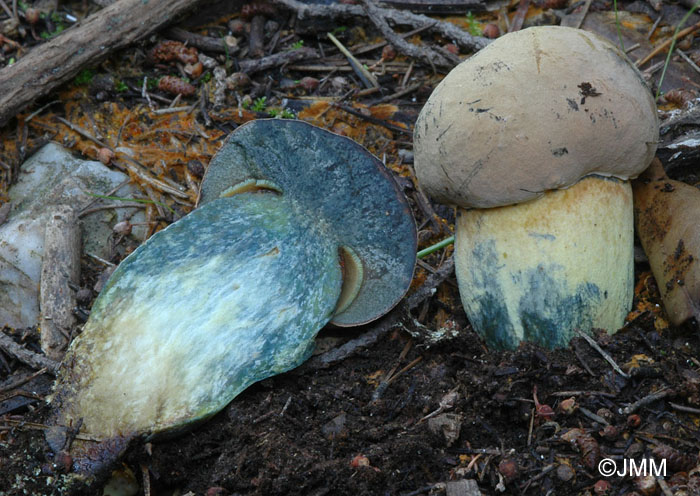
{"x":538,"y":270}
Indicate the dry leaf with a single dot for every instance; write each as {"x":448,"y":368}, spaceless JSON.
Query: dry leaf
{"x":666,"y":217}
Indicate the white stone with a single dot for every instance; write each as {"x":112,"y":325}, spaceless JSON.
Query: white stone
{"x":52,"y":177}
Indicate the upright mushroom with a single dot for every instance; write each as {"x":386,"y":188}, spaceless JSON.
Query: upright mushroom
{"x":296,"y":227}
{"x":534,"y":138}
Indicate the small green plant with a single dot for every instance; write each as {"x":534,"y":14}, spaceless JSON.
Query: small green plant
{"x":259,"y":104}
{"x":473,"y":25}
{"x":121,"y":86}
{"x":297,"y":45}
{"x":206,"y":77}
{"x":288,"y":114}
{"x":282,"y":114}
{"x":152,"y":83}
{"x":84,"y":77}
{"x":339,"y":29}
{"x":46,"y":35}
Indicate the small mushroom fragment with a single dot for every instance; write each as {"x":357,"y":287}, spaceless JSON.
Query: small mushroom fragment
{"x":555,"y":120}
{"x":296,"y":226}
{"x":666,"y":216}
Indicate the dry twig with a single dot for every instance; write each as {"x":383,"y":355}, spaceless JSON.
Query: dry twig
{"x":278,"y":59}
{"x":26,"y":356}
{"x":633,"y":407}
{"x":337,"y":11}
{"x":600,"y":350}
{"x":428,"y":56}
{"x":667,"y":43}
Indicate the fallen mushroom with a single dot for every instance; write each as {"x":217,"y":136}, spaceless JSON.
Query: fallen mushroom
{"x":296,"y":227}
{"x":555,"y":120}
{"x":666,"y":216}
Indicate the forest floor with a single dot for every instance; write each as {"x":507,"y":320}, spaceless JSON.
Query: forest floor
{"x":398,"y":412}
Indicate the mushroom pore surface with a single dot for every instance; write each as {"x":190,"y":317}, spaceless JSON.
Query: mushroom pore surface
{"x":534,"y":111}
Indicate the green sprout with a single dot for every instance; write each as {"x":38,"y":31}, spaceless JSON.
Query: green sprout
{"x":339,"y":29}
{"x":206,"y":77}
{"x":473,"y":25}
{"x":259,"y":104}
{"x":84,"y":77}
{"x":288,"y":114}
{"x":121,"y":86}
{"x":46,"y":35}
{"x":297,"y":45}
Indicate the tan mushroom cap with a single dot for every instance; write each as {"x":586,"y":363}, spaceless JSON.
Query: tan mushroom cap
{"x":536,"y":110}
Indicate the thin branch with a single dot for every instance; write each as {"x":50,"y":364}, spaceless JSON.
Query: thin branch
{"x":428,"y":56}
{"x":338,"y":11}
{"x":34,"y":360}
{"x":600,"y":350}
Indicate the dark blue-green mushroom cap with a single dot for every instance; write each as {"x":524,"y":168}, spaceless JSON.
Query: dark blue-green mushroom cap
{"x":343,"y":185}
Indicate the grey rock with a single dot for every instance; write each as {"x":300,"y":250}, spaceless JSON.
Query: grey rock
{"x":51,"y":177}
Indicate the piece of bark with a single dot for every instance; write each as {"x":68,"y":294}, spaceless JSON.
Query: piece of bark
{"x":83,"y":44}
{"x":256,"y":43}
{"x":666,"y":218}
{"x":60,"y":269}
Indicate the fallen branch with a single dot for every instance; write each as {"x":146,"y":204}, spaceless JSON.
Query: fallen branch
{"x":338,"y":11}
{"x":426,"y":55}
{"x":84,"y":44}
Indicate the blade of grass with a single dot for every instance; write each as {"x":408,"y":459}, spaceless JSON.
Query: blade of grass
{"x":137,"y":200}
{"x":619,"y":26}
{"x":673,"y":45}
{"x":433,"y":248}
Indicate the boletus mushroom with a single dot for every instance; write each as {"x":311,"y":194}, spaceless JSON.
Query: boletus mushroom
{"x":534,"y":139}
{"x":295,"y":227}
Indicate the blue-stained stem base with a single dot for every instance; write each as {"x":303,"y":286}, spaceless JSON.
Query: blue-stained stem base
{"x":231,"y":294}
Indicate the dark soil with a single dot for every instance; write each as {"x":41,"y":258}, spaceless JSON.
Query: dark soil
{"x":307,"y":433}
